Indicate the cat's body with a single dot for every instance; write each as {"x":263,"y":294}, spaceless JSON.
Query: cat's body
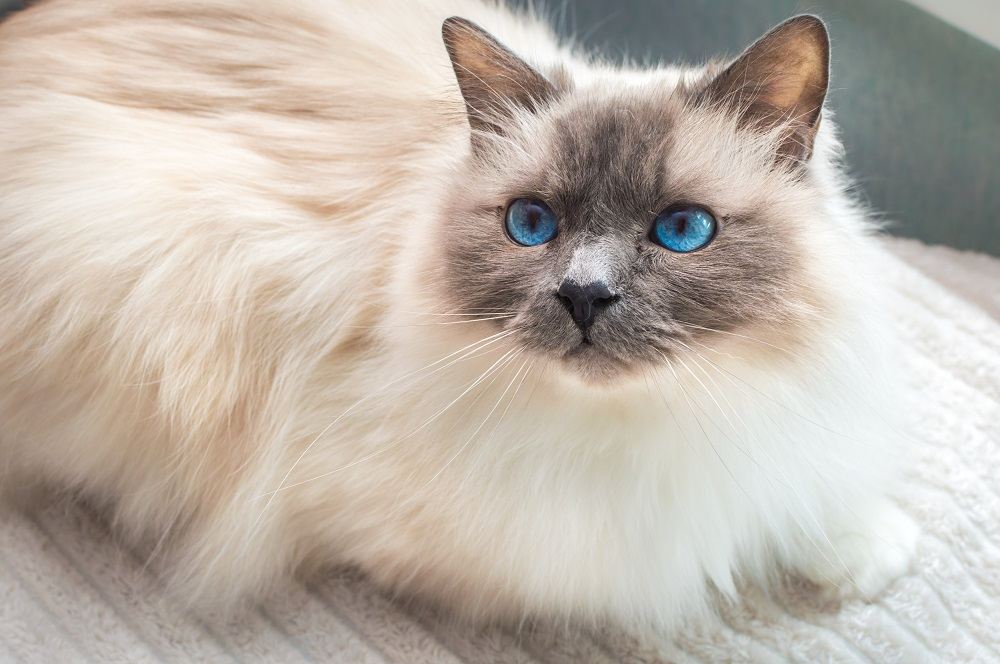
{"x":220,"y":276}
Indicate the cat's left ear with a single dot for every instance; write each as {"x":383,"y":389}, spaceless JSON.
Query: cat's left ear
{"x":781,"y":80}
{"x":494,"y":81}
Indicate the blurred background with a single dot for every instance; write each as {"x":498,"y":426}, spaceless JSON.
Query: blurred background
{"x":915,"y":89}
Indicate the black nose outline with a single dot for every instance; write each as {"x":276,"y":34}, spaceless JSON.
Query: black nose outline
{"x":584,"y":301}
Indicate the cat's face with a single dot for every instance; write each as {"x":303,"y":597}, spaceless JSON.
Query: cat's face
{"x":617,"y":224}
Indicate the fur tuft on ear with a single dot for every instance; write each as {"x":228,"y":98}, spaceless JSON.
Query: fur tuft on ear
{"x":780,"y":80}
{"x":493,"y":80}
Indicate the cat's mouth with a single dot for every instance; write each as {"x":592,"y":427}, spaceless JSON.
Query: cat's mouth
{"x":604,"y":358}
{"x":594,"y":354}
{"x":590,"y":358}
{"x":584,"y":344}
{"x":594,"y":367}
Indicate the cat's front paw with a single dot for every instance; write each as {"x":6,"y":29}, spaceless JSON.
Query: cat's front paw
{"x":866,"y":559}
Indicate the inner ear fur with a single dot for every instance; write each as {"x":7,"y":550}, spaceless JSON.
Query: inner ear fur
{"x":493,"y":80}
{"x":780,"y":80}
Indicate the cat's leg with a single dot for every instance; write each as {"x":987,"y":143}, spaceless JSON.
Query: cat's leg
{"x":862,"y":552}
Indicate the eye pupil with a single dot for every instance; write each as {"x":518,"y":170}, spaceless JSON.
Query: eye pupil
{"x":684,"y":228}
{"x":530,"y":222}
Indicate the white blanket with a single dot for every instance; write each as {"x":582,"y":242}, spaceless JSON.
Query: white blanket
{"x":69,"y":593}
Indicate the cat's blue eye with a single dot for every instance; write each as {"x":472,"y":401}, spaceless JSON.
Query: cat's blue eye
{"x":683,"y":228}
{"x":530,"y":222}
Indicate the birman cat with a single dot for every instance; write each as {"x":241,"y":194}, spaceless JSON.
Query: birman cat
{"x":514,"y":330}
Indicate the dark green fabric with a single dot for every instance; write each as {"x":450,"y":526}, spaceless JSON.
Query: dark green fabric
{"x":917,"y":100}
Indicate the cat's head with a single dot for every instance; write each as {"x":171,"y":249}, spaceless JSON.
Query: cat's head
{"x":620,"y":220}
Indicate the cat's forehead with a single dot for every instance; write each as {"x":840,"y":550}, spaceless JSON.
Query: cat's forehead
{"x":603,"y":160}
{"x":611,"y":133}
{"x":609,"y":150}
{"x":631,"y":148}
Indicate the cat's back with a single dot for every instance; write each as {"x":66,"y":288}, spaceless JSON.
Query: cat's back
{"x":293,"y":57}
{"x":310,"y":104}
{"x":224,"y":61}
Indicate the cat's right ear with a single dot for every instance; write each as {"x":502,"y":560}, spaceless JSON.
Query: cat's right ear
{"x":495,"y":83}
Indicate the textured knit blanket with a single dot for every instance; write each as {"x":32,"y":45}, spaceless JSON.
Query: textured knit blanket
{"x":69,"y":593}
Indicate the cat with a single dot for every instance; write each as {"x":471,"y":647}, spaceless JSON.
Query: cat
{"x":417,"y":289}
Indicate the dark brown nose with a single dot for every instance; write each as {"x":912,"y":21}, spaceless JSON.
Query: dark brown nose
{"x":583,"y":301}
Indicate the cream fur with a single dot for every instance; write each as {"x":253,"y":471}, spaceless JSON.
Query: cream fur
{"x":207,"y":297}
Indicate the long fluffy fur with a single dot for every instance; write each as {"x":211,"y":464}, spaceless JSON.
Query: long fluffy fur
{"x":214,"y":242}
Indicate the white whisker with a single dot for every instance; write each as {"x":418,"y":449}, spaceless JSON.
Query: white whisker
{"x":477,"y":345}
{"x":398,"y":441}
{"x":481,"y":424}
{"x":785,"y":480}
{"x":734,"y":334}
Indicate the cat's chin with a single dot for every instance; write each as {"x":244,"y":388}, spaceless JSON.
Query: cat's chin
{"x":589,"y":367}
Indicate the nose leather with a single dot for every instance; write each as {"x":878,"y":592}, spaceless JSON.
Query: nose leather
{"x":584,"y":300}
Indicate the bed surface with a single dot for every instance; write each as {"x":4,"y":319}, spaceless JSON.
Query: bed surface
{"x":68,"y":593}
